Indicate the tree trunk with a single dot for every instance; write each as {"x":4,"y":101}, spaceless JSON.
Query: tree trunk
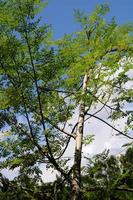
{"x":76,"y":181}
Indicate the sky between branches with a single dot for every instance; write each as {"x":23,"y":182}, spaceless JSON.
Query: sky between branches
{"x":60,"y":14}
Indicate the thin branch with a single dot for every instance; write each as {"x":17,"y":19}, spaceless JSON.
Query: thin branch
{"x":97,"y":110}
{"x":124,"y":189}
{"x":69,"y":172}
{"x":46,"y":89}
{"x":68,"y":140}
{"x":109,"y":125}
{"x":28,"y":121}
{"x":59,"y":129}
{"x":94,"y":189}
{"x":64,"y":150}
{"x":27,"y":117}
{"x":104,"y":103}
{"x":67,"y":143}
{"x":50,"y":157}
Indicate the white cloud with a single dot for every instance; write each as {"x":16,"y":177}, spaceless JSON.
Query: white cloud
{"x":11,"y":174}
{"x":105,"y":138}
{"x":48,"y":175}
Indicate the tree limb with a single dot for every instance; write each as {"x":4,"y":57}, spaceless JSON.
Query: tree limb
{"x":109,"y":125}
{"x":94,"y":189}
{"x":50,"y":156}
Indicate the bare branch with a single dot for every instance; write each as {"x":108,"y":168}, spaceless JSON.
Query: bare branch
{"x":46,"y":89}
{"x":109,"y":125}
{"x":103,"y":102}
{"x":97,"y":110}
{"x":59,"y":129}
{"x":94,"y":189}
{"x":69,"y":93}
{"x":124,"y":189}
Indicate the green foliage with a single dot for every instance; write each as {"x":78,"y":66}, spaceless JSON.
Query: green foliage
{"x":106,"y":174}
{"x":101,"y":179}
{"x":41,"y":87}
{"x":88,"y":139}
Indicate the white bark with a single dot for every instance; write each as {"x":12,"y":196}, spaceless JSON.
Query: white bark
{"x":78,"y":145}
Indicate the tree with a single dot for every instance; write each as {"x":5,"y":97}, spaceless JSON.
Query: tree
{"x":42,"y":86}
{"x":106,"y":178}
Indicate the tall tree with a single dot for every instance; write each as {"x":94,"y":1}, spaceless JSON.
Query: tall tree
{"x":93,"y":75}
{"x":41,"y":87}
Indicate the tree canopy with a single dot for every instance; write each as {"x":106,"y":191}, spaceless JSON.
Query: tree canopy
{"x":44,"y":82}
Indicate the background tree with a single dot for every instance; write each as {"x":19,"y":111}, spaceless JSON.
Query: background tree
{"x":41,"y":87}
{"x":106,"y":177}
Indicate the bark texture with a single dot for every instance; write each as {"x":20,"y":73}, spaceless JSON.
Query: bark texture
{"x":76,"y":181}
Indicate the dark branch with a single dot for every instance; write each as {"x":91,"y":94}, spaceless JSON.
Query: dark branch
{"x":46,"y":89}
{"x":105,"y":104}
{"x":50,"y":156}
{"x":109,"y":125}
{"x":94,"y":189}
{"x":124,"y":189}
{"x":59,"y":129}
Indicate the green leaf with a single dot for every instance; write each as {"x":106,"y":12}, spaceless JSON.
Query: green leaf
{"x":88,"y":139}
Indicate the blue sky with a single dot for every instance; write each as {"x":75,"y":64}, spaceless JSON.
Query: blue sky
{"x":59,"y":13}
